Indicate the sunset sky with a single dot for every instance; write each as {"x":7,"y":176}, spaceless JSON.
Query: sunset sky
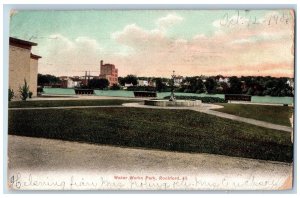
{"x":154,"y":43}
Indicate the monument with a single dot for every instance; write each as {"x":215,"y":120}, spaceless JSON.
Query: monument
{"x":172,"y":102}
{"x":172,"y":97}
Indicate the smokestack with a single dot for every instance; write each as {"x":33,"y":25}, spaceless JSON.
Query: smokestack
{"x":101,"y":64}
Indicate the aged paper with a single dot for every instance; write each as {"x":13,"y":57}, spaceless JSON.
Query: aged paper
{"x":151,"y":100}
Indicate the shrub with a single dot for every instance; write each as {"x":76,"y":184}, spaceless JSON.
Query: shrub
{"x":187,"y":91}
{"x":11,"y":94}
{"x":101,"y":83}
{"x":24,"y":91}
{"x":40,"y":90}
{"x":141,"y":88}
{"x":30,"y":94}
{"x":115,"y":87}
{"x":203,"y":99}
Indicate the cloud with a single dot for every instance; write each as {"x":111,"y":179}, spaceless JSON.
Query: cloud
{"x":87,"y":43}
{"x":263,"y":37}
{"x":65,"y":56}
{"x":132,"y":32}
{"x":168,"y":21}
{"x":135,"y":36}
{"x":231,"y":50}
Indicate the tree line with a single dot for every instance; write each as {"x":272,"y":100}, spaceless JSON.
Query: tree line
{"x":250,"y":85}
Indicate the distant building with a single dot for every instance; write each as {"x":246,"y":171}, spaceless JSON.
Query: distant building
{"x":22,"y":65}
{"x":77,"y":82}
{"x":225,"y":80}
{"x":69,"y":82}
{"x":128,"y":85}
{"x":152,"y":83}
{"x":178,"y":80}
{"x":291,"y":83}
{"x":143,"y":83}
{"x":109,"y":72}
{"x":221,"y":79}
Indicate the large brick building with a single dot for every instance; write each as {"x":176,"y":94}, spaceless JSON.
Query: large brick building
{"x":22,"y":65}
{"x":110,"y":72}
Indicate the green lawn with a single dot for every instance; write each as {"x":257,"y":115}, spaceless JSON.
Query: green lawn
{"x":59,"y":103}
{"x":273,"y":114}
{"x":173,"y":130}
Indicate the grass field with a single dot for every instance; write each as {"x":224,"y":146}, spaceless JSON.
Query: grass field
{"x":173,"y":130}
{"x":273,"y":114}
{"x":59,"y":103}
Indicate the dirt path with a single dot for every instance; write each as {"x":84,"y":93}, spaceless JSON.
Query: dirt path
{"x":256,"y":103}
{"x":208,"y":109}
{"x":248,"y":120}
{"x":45,"y":160}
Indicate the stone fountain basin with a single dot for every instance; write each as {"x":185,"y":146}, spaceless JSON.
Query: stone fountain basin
{"x":176,"y":103}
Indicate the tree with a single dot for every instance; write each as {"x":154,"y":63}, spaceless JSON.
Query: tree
{"x":121,"y":81}
{"x":131,"y":79}
{"x":210,"y":84}
{"x":160,"y":86}
{"x":198,"y":87}
{"x":225,"y":87}
{"x":24,"y":91}
{"x":98,"y":83}
{"x":248,"y":83}
{"x":11,"y":94}
{"x":115,"y":87}
{"x":47,"y":79}
{"x":192,"y":85}
{"x":250,"y":91}
{"x":235,"y":85}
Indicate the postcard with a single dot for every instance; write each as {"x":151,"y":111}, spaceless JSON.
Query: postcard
{"x":151,"y":100}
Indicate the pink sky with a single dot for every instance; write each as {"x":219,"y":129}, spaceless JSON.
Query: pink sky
{"x":260,"y":50}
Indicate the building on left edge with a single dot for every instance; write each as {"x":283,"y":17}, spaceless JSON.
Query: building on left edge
{"x":22,"y":65}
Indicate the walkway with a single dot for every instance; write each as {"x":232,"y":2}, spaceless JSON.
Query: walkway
{"x":256,"y":103}
{"x":248,"y":120}
{"x":207,"y":108}
{"x":38,"y":163}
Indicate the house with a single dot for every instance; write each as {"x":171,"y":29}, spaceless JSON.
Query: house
{"x":69,"y":82}
{"x":178,"y":80}
{"x":290,"y":82}
{"x":222,"y":79}
{"x":143,"y":83}
{"x":152,"y":83}
{"x":79,"y":81}
{"x":128,"y":85}
{"x":23,"y":65}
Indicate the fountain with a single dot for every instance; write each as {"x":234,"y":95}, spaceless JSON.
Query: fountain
{"x":172,"y":102}
{"x":172,"y":97}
